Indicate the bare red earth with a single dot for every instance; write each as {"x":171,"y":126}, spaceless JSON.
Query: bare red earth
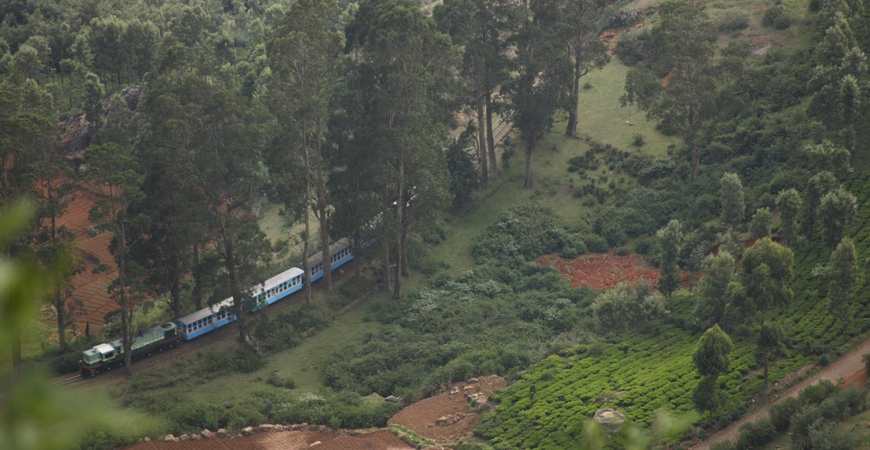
{"x":445,"y":418}
{"x":90,"y":298}
{"x":603,"y":270}
{"x":286,"y":440}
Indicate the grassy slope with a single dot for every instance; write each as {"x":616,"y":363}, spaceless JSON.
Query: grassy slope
{"x":602,"y":119}
{"x":667,"y":379}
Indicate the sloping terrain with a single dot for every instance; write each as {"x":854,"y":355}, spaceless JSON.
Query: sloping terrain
{"x":90,"y":297}
{"x":286,"y":440}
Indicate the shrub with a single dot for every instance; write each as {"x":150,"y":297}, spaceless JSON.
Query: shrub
{"x":638,"y":140}
{"x":816,"y":393}
{"x":776,"y":17}
{"x":643,"y":245}
{"x":866,"y":359}
{"x":733,"y":21}
{"x":596,"y":243}
{"x":723,"y":445}
{"x":782,"y":412}
{"x":831,"y":436}
{"x":631,"y":46}
{"x":755,"y":434}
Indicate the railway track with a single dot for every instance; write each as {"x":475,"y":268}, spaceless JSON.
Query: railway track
{"x":202,"y":341}
{"x":67,"y":381}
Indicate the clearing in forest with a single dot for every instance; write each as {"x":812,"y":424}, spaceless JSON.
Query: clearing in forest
{"x":604,"y":270}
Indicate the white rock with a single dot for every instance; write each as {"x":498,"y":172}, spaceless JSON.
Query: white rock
{"x":206,"y":433}
{"x":315,"y":443}
{"x":247,"y":431}
{"x":183,"y":437}
{"x":222,"y":432}
{"x":169,"y":438}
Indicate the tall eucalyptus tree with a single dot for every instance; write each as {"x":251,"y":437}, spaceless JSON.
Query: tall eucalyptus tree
{"x":304,"y":57}
{"x":405,"y":68}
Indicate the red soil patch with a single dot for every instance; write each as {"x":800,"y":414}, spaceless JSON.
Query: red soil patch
{"x":445,"y":418}
{"x":90,"y":298}
{"x":286,"y":440}
{"x":604,"y":270}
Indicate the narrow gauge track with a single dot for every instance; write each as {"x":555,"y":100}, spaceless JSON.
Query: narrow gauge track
{"x":66,"y":381}
{"x":200,"y":342}
{"x":502,"y":128}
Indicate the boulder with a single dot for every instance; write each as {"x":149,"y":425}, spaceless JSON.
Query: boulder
{"x":169,"y":438}
{"x":183,"y":437}
{"x":195,"y":437}
{"x":467,"y":388}
{"x":147,"y":439}
{"x":392,"y":398}
{"x":131,"y":96}
{"x":471,"y":381}
{"x":454,"y":390}
{"x":247,"y":431}
{"x":266,"y":427}
{"x":472,"y":398}
{"x":206,"y":433}
{"x":76,"y":146}
{"x":228,"y":405}
{"x":609,"y":419}
{"x":222,"y":432}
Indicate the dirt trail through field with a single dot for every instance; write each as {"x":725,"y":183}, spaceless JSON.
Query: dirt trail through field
{"x":849,"y":368}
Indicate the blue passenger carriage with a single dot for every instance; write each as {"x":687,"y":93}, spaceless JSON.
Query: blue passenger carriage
{"x":339,"y":253}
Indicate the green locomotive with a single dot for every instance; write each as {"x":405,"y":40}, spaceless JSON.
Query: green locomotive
{"x":111,"y":354}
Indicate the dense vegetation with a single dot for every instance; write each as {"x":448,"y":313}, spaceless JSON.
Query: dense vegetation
{"x":188,"y":118}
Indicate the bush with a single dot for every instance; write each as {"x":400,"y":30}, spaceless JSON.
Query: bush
{"x":723,"y":445}
{"x":781,"y":413}
{"x":638,"y":140}
{"x":755,"y":434}
{"x":243,"y":359}
{"x":866,"y":359}
{"x":275,"y":379}
{"x":776,"y":17}
{"x":733,"y":21}
{"x":643,"y":245}
{"x":596,"y":243}
{"x":631,"y":46}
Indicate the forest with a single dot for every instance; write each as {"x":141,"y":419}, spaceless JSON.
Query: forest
{"x":472,"y":146}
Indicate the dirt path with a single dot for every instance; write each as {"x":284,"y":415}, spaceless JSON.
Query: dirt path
{"x":850,"y":368}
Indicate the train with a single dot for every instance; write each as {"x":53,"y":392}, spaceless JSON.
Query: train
{"x":109,"y":355}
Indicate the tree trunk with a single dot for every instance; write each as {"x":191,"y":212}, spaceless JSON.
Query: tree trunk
{"x":490,"y":137}
{"x":175,"y":296}
{"x":530,"y":147}
{"x":482,"y":152}
{"x":238,"y":304}
{"x":197,"y":278}
{"x":400,"y":221}
{"x":126,"y":307}
{"x":321,"y":207}
{"x":16,"y":350}
{"x":60,"y":308}
{"x":307,"y":238}
{"x":574,"y":99}
{"x":59,"y":301}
